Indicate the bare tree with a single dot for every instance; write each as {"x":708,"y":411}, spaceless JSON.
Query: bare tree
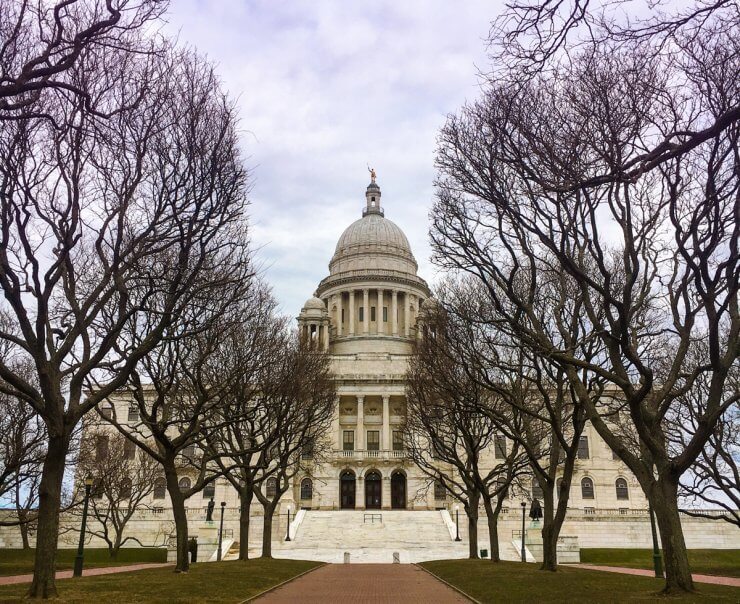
{"x":42,"y":42}
{"x":123,"y":480}
{"x":298,"y":397}
{"x":107,"y":224}
{"x":654,"y":252}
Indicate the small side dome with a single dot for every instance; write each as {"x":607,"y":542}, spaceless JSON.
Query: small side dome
{"x":314,"y":308}
{"x":314,"y":303}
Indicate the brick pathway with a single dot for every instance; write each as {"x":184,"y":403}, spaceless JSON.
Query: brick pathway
{"x":732,"y":581}
{"x":364,"y":583}
{"x":86,"y":572}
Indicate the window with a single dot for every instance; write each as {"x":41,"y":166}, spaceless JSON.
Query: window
{"x":501,"y":487}
{"x":209,"y":491}
{"x":271,"y":488}
{"x":587,"y":488}
{"x":184,"y":484}
{"x":101,"y":447}
{"x":106,"y":410}
{"x":348,"y":440}
{"x":583,"y":447}
{"x":499,"y":447}
{"x":362,"y":313}
{"x":189,"y":452}
{"x":536,"y":489}
{"x":125,"y":491}
{"x":373,"y":440}
{"x":372,"y":313}
{"x":307,"y":452}
{"x":440,"y":493}
{"x":129,"y":450}
{"x":160,"y":488}
{"x":342,"y":315}
{"x":133,"y":413}
{"x":622,"y":490}
{"x":306,"y":488}
{"x":397,"y":440}
{"x":385,"y":314}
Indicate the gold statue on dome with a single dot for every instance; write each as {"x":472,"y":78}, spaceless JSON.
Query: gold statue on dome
{"x":373,"y":176}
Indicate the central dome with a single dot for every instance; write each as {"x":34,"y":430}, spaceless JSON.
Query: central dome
{"x":375,"y":230}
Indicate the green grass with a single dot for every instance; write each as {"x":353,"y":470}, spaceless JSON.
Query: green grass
{"x":222,"y":582}
{"x":516,"y":582}
{"x":20,"y":561}
{"x":723,"y":562}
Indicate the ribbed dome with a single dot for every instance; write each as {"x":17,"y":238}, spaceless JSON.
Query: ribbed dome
{"x":373,"y":229}
{"x":315,"y":303}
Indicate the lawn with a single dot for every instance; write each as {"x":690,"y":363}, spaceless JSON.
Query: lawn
{"x":516,"y":582}
{"x":703,"y":561}
{"x":211,"y":582}
{"x":20,"y":561}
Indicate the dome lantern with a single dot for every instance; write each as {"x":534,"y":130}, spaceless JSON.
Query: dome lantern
{"x":372,"y":197}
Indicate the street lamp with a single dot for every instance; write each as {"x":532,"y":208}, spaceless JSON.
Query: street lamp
{"x":81,"y":547}
{"x":524,"y":521}
{"x":457,"y":523}
{"x":220,"y":532}
{"x":287,"y":537}
{"x":657,"y":559}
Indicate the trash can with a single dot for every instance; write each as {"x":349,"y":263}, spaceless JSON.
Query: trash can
{"x":484,"y":553}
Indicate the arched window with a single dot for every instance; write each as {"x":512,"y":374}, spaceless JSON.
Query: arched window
{"x":209,"y":491}
{"x":184,"y":484}
{"x":536,"y":489}
{"x":587,"y":488}
{"x":306,"y":488}
{"x":622,"y":490}
{"x":125,"y":490}
{"x":271,"y":488}
{"x":160,"y":488}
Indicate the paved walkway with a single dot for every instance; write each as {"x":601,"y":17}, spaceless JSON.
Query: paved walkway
{"x":365,"y":583}
{"x":86,"y":572}
{"x":732,"y":581}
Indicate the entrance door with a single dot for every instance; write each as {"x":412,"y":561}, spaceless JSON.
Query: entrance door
{"x":347,"y":490}
{"x":373,"y":490}
{"x":398,"y":491}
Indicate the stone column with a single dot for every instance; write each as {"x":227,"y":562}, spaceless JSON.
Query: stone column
{"x":385,"y":501}
{"x":394,"y":312}
{"x":360,"y":493}
{"x":366,"y":311}
{"x":379,"y":313}
{"x":339,"y":315}
{"x":351,"y":312}
{"x":406,"y":314}
{"x":325,"y":329}
{"x":336,"y":427}
{"x":387,"y":445}
{"x":360,"y":435}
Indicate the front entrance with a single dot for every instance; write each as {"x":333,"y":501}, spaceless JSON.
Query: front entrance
{"x":398,"y":491}
{"x":347,"y":490}
{"x":373,"y":487}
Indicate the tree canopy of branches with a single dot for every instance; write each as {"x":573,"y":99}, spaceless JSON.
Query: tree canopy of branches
{"x":618,"y":167}
{"x":110,"y":227}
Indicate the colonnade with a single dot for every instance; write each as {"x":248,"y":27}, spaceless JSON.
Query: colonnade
{"x":360,"y":444}
{"x":316,"y":333}
{"x":384,"y":327}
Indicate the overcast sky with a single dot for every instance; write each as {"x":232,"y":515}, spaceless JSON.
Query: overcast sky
{"x":325,"y":88}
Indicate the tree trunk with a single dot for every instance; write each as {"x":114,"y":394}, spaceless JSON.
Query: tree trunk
{"x":492,"y":517}
{"x":245,"y":506}
{"x":472,"y":512}
{"x":267,"y":531}
{"x":23,"y":527}
{"x":675,"y":557}
{"x":550,"y":533}
{"x":181,"y":520}
{"x":47,"y":533}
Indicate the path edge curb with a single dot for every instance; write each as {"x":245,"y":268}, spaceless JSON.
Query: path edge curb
{"x":274,"y":587}
{"x":450,"y":585}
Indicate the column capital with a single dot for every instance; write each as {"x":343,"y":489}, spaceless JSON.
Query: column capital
{"x":386,"y":398}
{"x":361,"y":398}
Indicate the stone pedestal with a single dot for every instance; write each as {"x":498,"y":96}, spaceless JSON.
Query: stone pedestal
{"x":533,"y":541}
{"x":207,"y":534}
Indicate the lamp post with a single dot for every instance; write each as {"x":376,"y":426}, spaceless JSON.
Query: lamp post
{"x":287,"y":536}
{"x":524,"y":521}
{"x":81,"y":547}
{"x":657,"y":559}
{"x":220,"y":532}
{"x":457,"y":523}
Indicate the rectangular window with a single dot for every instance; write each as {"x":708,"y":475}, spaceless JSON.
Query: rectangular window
{"x":500,"y":446}
{"x":342,"y":315}
{"x":129,"y":450}
{"x":372,"y":313}
{"x":385,"y":314}
{"x":362,"y":314}
{"x":133,"y":413}
{"x":397,"y":440}
{"x":348,"y":440}
{"x":583,"y":447}
{"x":373,"y":440}
{"x":440,"y":493}
{"x":101,"y":447}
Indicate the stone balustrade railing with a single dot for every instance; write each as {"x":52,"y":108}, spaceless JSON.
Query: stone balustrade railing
{"x":362,"y":454}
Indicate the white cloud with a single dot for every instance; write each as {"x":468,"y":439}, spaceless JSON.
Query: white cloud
{"x":325,"y":88}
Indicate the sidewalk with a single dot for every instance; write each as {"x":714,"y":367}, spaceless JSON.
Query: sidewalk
{"x":731,"y":581}
{"x":88,"y":572}
{"x":364,"y":583}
